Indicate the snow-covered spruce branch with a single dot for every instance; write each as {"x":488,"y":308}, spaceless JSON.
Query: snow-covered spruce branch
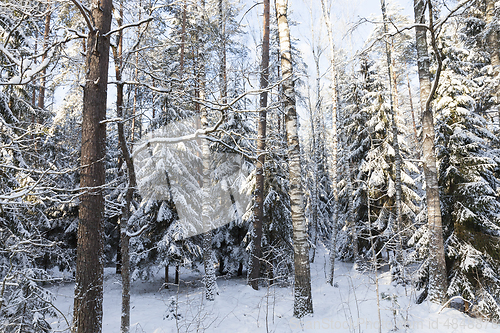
{"x":23,"y":192}
{"x":27,"y":75}
{"x":200,"y":133}
{"x":142,"y":84}
{"x":7,"y":39}
{"x":238,"y":149}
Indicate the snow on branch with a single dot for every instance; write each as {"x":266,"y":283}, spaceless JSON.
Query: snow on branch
{"x":135,"y":24}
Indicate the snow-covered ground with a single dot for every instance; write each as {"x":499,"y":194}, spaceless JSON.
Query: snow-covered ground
{"x":351,"y":306}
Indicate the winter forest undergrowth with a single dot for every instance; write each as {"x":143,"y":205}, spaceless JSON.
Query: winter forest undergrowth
{"x":350,"y":306}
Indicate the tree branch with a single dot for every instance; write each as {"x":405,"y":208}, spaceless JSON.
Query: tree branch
{"x":85,"y":13}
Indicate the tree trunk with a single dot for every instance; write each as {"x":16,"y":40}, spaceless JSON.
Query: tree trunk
{"x":333,"y":240}
{"x":415,"y":136}
{"x":302,"y":288}
{"x":89,"y":267}
{"x":261,"y":150}
{"x":136,"y":88}
{"x":166,"y":276}
{"x":437,"y":268}
{"x":397,"y":268}
{"x":222,"y":48}
{"x":494,"y":50}
{"x":209,"y":280}
{"x":41,"y":94}
{"x":352,"y":222}
{"x":183,"y":38}
{"x":124,"y":238}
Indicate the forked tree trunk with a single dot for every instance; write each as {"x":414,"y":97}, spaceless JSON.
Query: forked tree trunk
{"x":437,"y":267}
{"x":398,"y":266}
{"x":261,"y":149}
{"x":87,"y":316}
{"x":333,"y":240}
{"x":302,"y":288}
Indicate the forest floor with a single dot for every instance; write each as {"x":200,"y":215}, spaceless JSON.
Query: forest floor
{"x":350,"y":306}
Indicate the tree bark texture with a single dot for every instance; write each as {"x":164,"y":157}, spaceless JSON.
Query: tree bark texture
{"x":334,"y":148}
{"x":89,"y":266}
{"x":209,"y":280}
{"x":261,"y":150}
{"x":397,"y":270}
{"x":302,"y":288}
{"x":437,"y":267}
{"x":124,"y":238}
{"x":41,"y":94}
{"x":494,"y":49}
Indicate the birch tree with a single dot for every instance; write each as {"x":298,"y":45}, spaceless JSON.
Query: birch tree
{"x":437,"y":269}
{"x":334,"y":143}
{"x":302,"y":287}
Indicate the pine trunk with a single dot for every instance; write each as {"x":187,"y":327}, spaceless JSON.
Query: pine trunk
{"x":334,"y":148}
{"x":89,"y":266}
{"x":261,"y":150}
{"x":437,"y":269}
{"x":302,"y":288}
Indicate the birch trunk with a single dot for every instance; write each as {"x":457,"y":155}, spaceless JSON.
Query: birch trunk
{"x":334,"y":148}
{"x":261,"y":149}
{"x":437,"y":267}
{"x":302,"y":288}
{"x":209,"y":280}
{"x":87,"y":317}
{"x":398,"y":267}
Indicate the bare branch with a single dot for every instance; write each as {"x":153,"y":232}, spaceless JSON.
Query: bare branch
{"x":135,"y":24}
{"x":85,"y":13}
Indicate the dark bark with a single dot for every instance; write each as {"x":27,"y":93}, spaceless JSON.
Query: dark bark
{"x":89,"y":266}
{"x":261,"y":148}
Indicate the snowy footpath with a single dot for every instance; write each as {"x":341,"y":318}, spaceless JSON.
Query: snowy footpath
{"x":351,"y":306}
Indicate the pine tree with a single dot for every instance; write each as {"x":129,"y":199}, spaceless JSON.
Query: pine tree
{"x":89,"y":270}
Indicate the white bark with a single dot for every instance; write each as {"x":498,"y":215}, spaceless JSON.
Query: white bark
{"x":334,"y":144}
{"x":437,"y":267}
{"x":302,"y":288}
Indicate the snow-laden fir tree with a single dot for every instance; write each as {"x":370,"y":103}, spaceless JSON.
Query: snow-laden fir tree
{"x":468,"y":182}
{"x":370,"y":164}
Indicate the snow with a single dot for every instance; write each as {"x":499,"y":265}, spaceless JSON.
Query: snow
{"x":350,"y":306}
